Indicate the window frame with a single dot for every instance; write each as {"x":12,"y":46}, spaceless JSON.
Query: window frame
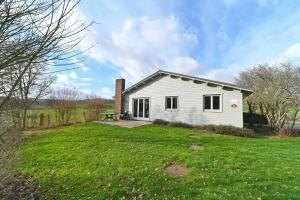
{"x":212,"y":103}
{"x":132,"y":107}
{"x":172,"y":97}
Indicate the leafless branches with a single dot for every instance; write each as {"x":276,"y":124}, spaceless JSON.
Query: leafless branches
{"x":63,"y":101}
{"x":95,"y":107}
{"x":36,"y":32}
{"x":276,"y":93}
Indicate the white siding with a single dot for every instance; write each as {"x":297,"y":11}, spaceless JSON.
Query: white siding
{"x":190,"y":102}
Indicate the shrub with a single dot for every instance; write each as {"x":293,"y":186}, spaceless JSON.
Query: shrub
{"x":286,"y":132}
{"x":228,"y":130}
{"x":219,"y":129}
{"x":160,"y":122}
{"x":180,"y":124}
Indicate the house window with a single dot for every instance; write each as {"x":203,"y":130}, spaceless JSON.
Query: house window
{"x":213,"y":103}
{"x":171,"y":103}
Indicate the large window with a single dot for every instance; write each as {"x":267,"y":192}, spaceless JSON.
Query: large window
{"x":141,"y":107}
{"x":171,"y":103}
{"x":213,"y":103}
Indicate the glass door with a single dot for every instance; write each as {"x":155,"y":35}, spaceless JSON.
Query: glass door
{"x":146,"y":108}
{"x":135,"y":107}
{"x":141,"y":108}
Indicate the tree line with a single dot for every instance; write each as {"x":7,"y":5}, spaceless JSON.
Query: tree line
{"x":63,"y":106}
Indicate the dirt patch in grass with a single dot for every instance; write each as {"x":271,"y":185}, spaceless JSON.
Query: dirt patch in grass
{"x":197,"y":147}
{"x":17,"y":186}
{"x":177,"y":170}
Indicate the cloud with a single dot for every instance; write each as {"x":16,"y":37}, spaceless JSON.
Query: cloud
{"x":185,"y":65}
{"x":290,"y":55}
{"x":226,"y":74}
{"x":106,"y":92}
{"x":87,"y":92}
{"x":71,"y":80}
{"x":142,"y":46}
{"x":83,"y":67}
{"x":73,"y":75}
{"x":86,"y":79}
{"x":79,"y":63}
{"x":62,"y":78}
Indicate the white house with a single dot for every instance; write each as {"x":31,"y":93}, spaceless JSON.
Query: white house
{"x":177,"y":97}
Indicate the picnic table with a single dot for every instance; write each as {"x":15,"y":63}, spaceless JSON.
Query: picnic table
{"x":109,"y":116}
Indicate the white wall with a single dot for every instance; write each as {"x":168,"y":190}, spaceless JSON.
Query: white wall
{"x":190,"y":102}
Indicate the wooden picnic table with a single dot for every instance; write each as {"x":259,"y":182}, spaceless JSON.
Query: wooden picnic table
{"x":109,"y":116}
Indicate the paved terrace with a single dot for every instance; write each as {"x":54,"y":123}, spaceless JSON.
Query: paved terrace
{"x":126,"y":123}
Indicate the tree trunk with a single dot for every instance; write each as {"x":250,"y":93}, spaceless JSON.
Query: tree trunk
{"x":250,"y":113}
{"x":261,"y":109}
{"x":294,"y":119}
{"x":24,"y":119}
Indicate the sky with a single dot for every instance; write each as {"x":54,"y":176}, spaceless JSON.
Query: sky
{"x":210,"y":39}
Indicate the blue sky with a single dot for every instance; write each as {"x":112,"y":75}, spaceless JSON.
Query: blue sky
{"x":210,"y":39}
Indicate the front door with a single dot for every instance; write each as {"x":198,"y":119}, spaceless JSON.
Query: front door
{"x":141,"y":108}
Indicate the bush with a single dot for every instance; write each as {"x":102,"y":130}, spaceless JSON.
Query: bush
{"x":219,"y":129}
{"x":160,"y":122}
{"x":228,"y":130}
{"x":180,"y":124}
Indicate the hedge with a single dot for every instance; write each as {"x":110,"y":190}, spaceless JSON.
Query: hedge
{"x":219,"y":129}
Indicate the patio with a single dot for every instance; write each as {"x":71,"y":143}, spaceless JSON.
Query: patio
{"x":126,"y":123}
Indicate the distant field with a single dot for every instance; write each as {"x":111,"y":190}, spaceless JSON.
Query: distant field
{"x":77,"y":115}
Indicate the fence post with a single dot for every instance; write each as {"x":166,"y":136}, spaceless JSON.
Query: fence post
{"x":84,"y":117}
{"x":42,"y":119}
{"x":48,"y":119}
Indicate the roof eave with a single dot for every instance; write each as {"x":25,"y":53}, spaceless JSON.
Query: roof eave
{"x":188,"y":77}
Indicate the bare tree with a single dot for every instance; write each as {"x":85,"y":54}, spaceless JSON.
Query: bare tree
{"x":35,"y":32}
{"x":33,"y":86}
{"x":276,"y":93}
{"x":95,"y":106}
{"x":64,"y":101}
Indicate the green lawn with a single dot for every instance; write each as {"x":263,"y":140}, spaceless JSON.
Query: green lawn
{"x":95,"y":161}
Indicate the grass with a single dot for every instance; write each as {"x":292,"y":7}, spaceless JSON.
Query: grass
{"x":97,"y":161}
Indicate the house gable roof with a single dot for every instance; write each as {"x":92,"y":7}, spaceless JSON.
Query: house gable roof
{"x":186,"y":77}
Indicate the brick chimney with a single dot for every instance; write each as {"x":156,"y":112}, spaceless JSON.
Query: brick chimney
{"x":119,"y":99}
